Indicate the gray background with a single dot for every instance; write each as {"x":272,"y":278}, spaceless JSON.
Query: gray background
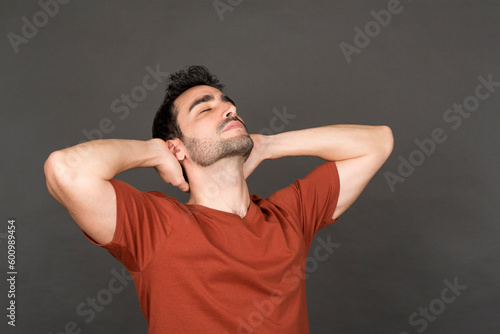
{"x":396,"y":247}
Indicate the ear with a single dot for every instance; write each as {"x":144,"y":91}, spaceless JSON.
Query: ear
{"x":176,"y":146}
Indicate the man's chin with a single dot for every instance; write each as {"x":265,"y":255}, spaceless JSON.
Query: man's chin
{"x":240,"y":146}
{"x":206,"y":155}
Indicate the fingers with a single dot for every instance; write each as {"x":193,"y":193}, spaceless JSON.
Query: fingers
{"x":184,"y":187}
{"x":181,"y":184}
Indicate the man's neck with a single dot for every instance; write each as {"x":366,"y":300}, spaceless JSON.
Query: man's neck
{"x":220,"y":186}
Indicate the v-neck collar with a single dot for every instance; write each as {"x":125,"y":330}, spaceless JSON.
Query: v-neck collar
{"x":211,"y":212}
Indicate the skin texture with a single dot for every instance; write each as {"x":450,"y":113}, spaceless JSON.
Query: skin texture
{"x":217,"y":161}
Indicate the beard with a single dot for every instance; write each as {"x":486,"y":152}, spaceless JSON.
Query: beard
{"x":205,"y":153}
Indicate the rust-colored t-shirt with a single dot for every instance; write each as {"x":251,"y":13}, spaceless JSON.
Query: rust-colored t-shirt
{"x":201,"y":270}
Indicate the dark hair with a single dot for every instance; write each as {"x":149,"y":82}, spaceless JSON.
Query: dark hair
{"x":165,"y":125}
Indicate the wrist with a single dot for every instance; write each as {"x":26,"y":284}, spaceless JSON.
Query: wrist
{"x":267,"y":144}
{"x":158,"y":148}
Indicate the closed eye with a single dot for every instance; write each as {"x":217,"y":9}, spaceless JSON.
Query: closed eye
{"x":204,"y":110}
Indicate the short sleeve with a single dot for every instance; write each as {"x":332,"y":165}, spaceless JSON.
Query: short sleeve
{"x":312,"y":200}
{"x":143,"y":222}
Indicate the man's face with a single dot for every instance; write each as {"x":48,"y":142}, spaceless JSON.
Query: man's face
{"x":210,"y":127}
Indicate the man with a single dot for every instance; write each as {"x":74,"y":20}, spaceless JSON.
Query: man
{"x":225,"y":261}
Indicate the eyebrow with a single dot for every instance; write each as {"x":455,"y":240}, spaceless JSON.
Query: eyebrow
{"x":226,"y":98}
{"x":208,"y":98}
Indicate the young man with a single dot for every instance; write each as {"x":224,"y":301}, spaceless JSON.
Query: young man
{"x":225,"y":261}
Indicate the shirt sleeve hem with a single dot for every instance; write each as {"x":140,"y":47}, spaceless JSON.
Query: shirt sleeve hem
{"x":335,"y":194}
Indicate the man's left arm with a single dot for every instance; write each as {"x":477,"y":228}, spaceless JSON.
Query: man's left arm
{"x":358,"y":151}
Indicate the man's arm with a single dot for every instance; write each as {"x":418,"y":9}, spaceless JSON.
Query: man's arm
{"x":358,"y":150}
{"x":78,"y":178}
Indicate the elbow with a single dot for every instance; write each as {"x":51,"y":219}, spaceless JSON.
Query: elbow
{"x":50,"y":169}
{"x":55,"y":169}
{"x":386,"y":141}
{"x":50,"y":166}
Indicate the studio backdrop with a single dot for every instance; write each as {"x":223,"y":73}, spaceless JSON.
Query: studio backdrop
{"x":418,"y":252}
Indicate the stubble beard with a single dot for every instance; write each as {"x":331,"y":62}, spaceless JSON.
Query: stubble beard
{"x":206,"y":153}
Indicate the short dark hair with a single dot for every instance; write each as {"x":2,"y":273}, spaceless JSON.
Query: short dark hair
{"x":165,"y":125}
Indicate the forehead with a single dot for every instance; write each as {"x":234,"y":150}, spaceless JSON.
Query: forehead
{"x":183,"y":102}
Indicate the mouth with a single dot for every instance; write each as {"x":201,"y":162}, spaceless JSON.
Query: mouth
{"x":234,"y":125}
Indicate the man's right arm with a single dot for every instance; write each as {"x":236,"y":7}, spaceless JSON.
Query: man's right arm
{"x":78,"y":178}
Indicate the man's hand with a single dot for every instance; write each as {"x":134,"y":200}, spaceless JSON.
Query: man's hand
{"x":169,"y":168}
{"x":258,"y":154}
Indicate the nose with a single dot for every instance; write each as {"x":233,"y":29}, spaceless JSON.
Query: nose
{"x":230,"y":111}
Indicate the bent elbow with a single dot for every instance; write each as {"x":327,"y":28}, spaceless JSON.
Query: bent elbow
{"x":386,"y":140}
{"x":50,"y":165}
{"x":55,"y":169}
